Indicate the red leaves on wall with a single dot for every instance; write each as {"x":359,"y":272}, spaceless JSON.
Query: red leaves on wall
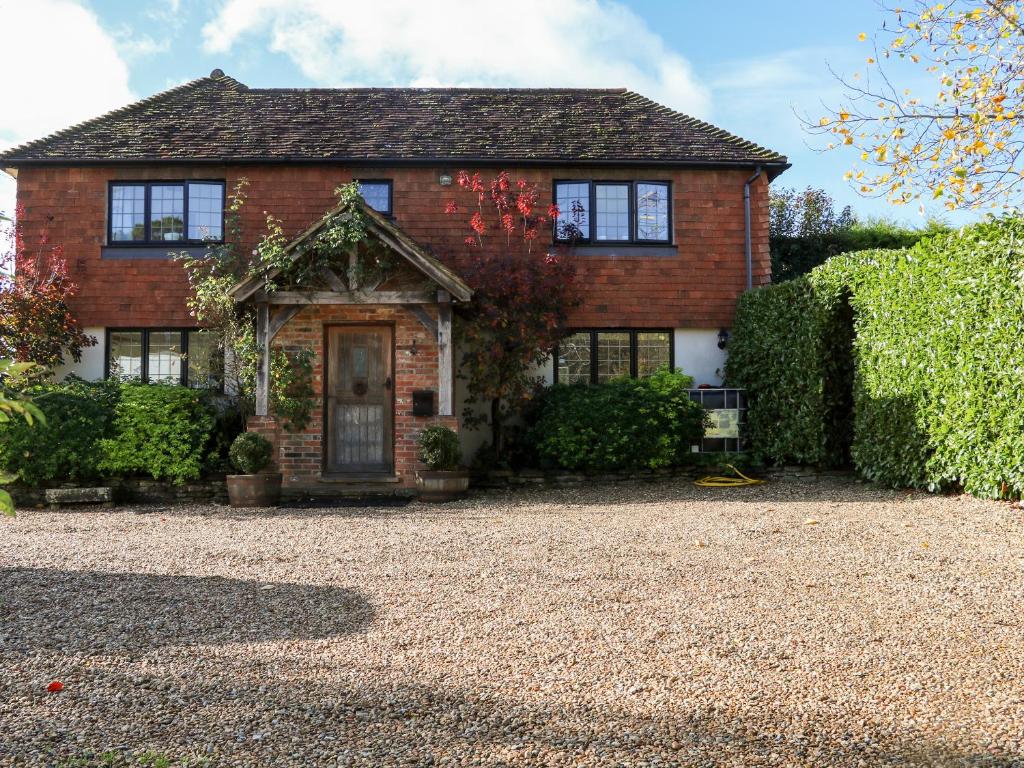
{"x":36,"y":324}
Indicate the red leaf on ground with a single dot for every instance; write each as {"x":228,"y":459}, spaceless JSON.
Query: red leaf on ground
{"x":55,"y":687}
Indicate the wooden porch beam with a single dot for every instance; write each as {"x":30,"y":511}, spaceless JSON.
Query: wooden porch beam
{"x":263,"y":362}
{"x":424,"y":317}
{"x":282,"y":316}
{"x":333,"y":281}
{"x":445,"y":364}
{"x":350,"y":297}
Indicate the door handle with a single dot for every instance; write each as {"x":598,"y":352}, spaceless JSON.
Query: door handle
{"x":387,"y":383}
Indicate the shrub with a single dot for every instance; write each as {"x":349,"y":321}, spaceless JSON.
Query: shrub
{"x":791,"y":350}
{"x":439,"y":448}
{"x":938,"y":340}
{"x":621,"y":424}
{"x":160,"y":430}
{"x":65,"y":446}
{"x":251,"y":453}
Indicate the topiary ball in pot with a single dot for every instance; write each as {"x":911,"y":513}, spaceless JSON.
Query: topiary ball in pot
{"x":440,"y":451}
{"x":251,"y":453}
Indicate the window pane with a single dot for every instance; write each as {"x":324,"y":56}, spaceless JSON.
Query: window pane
{"x":205,"y":211}
{"x":125,"y":354}
{"x":652,"y":212}
{"x":377,"y":195}
{"x":127,"y":213}
{"x":574,"y":358}
{"x":164,"y":356}
{"x":612,"y":214}
{"x":652,"y":351}
{"x":573,"y":200}
{"x":205,"y":362}
{"x":167,"y":212}
{"x":612,"y":355}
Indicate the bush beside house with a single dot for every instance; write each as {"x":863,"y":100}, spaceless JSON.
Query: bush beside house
{"x":103,"y":429}
{"x":620,"y":424}
{"x":937,"y":371}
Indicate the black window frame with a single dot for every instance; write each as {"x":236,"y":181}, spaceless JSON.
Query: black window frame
{"x":391,"y":194}
{"x":148,"y":185}
{"x":144,"y":363}
{"x":633,"y":349}
{"x":590,"y":237}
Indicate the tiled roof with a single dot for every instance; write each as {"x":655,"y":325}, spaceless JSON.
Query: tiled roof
{"x":216,"y":118}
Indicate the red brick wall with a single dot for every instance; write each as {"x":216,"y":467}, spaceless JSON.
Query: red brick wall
{"x":298,"y":455}
{"x":696,"y":288}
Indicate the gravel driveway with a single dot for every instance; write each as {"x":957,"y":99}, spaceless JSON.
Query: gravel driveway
{"x":797,"y":624}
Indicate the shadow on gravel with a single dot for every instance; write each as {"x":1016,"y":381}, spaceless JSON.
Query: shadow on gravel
{"x":96,"y":612}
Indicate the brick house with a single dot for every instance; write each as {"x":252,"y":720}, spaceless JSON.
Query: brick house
{"x":672,"y":218}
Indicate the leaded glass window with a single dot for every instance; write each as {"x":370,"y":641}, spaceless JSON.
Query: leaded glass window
{"x":573,"y":200}
{"x":613,"y":355}
{"x":124,"y":354}
{"x":377,"y":195}
{"x":653,"y":350}
{"x":175,"y":355}
{"x":205,"y":211}
{"x":205,"y":361}
{"x":164,"y":356}
{"x":611,"y":211}
{"x":128,"y":213}
{"x":574,"y":358}
{"x":167,"y":213}
{"x":652,"y":221}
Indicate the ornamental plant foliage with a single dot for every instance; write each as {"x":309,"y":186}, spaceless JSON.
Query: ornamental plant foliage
{"x":36,"y":323}
{"x":214,"y":273}
{"x":251,"y":453}
{"x":620,"y":424}
{"x":522,"y":296}
{"x":439,"y":448}
{"x":938,"y":362}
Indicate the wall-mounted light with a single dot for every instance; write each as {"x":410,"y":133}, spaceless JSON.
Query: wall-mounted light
{"x":723,"y":338}
{"x":412,"y":349}
{"x":445,"y":179}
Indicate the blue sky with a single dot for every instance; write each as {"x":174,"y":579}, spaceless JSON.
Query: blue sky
{"x":745,"y":65}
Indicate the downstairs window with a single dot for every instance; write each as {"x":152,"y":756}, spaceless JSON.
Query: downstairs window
{"x":177,"y":356}
{"x":598,"y":355}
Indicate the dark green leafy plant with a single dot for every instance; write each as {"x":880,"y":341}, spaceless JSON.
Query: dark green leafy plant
{"x":621,"y":424}
{"x":291,"y":387}
{"x":439,"y":448}
{"x":251,"y":453}
{"x":64,"y":447}
{"x":160,"y":430}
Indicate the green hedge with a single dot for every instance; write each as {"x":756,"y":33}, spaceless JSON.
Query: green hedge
{"x":791,"y":350}
{"x":938,"y":356}
{"x":160,"y":430}
{"x":621,"y":424}
{"x":78,"y":416}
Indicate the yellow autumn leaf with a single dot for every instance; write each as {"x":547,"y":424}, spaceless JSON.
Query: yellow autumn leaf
{"x":844,"y":116}
{"x":862,"y":37}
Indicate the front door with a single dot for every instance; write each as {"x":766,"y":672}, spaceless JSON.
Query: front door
{"x":360,"y":407}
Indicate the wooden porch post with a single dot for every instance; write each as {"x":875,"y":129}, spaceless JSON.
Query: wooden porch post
{"x":445,"y":368}
{"x":263,"y":363}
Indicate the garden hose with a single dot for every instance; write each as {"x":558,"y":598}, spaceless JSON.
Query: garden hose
{"x":712,"y":481}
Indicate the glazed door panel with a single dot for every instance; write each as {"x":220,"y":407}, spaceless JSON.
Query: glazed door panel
{"x":360,"y":407}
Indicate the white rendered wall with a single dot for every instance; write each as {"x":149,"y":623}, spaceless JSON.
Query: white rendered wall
{"x":697,"y":354}
{"x":91,"y":366}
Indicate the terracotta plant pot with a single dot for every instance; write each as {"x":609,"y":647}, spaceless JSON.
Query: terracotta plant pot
{"x":262,"y":490}
{"x":441,"y":485}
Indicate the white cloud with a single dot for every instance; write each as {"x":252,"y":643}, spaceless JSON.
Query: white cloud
{"x":581,"y":43}
{"x":61,"y":67}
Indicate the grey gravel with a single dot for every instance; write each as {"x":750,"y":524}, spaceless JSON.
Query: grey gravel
{"x":802,"y":623}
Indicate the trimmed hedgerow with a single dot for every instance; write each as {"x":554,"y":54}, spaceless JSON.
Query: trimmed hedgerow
{"x":621,"y":424}
{"x":160,"y":430}
{"x":78,"y":415}
{"x":938,"y":363}
{"x":790,"y":349}
{"x":939,"y":393}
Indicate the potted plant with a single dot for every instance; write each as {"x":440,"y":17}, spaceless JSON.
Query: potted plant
{"x":442,"y":480}
{"x":250,"y":454}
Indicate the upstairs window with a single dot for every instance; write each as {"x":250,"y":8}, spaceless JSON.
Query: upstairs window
{"x":377,"y":194}
{"x":613,"y":212}
{"x":157,"y":213}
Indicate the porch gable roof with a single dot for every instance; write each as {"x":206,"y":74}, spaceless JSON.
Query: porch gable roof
{"x":379,"y":227}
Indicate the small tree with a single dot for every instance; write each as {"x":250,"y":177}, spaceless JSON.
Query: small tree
{"x":36,"y":323}
{"x":522,"y":297}
{"x":960,"y":144}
